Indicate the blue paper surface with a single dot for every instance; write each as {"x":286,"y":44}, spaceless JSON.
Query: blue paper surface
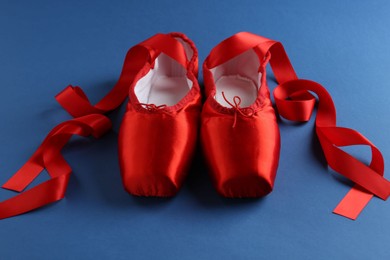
{"x":46,"y":45}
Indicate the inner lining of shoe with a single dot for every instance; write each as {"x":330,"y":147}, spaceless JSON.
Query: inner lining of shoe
{"x":166,"y":83}
{"x":238,"y":77}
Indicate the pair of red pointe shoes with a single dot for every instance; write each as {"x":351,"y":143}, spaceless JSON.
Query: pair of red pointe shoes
{"x":159,"y":131}
{"x":160,"y":128}
{"x":238,"y":127}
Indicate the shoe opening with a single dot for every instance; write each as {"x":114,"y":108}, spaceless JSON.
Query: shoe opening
{"x":166,"y":83}
{"x":239,"y":77}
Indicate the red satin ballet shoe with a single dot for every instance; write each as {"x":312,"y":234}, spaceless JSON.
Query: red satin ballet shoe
{"x":239,"y":131}
{"x":159,"y":129}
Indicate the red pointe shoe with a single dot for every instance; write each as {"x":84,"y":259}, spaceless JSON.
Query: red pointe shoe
{"x":159,"y":129}
{"x":239,"y":131}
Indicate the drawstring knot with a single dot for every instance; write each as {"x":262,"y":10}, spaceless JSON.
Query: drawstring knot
{"x":152,"y":107}
{"x":245,"y":112}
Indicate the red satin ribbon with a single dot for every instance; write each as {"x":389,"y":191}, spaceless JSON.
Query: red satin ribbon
{"x":48,"y":156}
{"x":295,"y":102}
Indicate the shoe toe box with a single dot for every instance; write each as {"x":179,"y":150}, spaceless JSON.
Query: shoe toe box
{"x":243,"y":159}
{"x":155,"y":152}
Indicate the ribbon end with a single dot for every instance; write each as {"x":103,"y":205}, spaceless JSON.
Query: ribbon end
{"x":343,"y":214}
{"x":23,"y":177}
{"x":353,"y":203}
{"x":6,"y":186}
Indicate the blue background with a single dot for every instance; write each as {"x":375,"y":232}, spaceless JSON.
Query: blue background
{"x":46,"y":45}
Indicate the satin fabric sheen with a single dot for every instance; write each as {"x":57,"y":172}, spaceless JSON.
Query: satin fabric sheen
{"x":241,"y":145}
{"x":243,"y":159}
{"x":155,"y":151}
{"x":156,"y":144}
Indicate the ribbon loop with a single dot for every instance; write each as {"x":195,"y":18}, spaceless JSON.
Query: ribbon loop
{"x":75,"y":102}
{"x":245,"y":112}
{"x":296,"y":106}
{"x":294,"y":102}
